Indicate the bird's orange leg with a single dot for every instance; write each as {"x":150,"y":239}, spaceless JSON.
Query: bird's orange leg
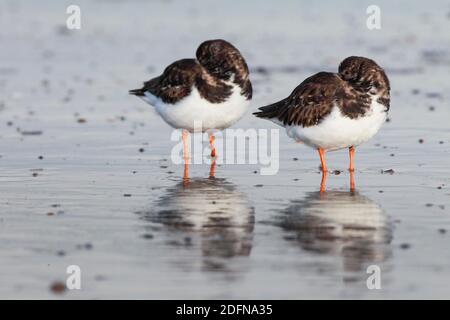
{"x":324,"y":169}
{"x":352,"y":182}
{"x":322,"y":159}
{"x":186,"y":157}
{"x":323,"y":182}
{"x":211,"y":144}
{"x":212,"y":168}
{"x":351,"y":153}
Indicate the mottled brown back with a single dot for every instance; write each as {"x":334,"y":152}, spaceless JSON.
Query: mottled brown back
{"x":352,"y":90}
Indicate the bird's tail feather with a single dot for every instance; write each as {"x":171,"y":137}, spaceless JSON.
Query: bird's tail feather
{"x":137,"y":92}
{"x":269,"y":112}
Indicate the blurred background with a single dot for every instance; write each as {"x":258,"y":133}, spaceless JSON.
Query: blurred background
{"x":86,"y":176}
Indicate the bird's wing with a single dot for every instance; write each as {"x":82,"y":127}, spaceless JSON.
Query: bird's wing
{"x":174,"y":84}
{"x":309,"y":103}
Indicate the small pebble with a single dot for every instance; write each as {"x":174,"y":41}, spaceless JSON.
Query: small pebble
{"x":58,"y":287}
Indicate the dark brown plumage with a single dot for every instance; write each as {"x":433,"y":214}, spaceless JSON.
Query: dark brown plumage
{"x":218,"y":62}
{"x":351,"y":89}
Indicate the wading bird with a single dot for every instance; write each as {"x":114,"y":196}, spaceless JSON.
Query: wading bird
{"x":331,"y":111}
{"x":213,"y":90}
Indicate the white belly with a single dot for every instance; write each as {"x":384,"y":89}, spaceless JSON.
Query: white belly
{"x":195,"y":110}
{"x":337,"y":131}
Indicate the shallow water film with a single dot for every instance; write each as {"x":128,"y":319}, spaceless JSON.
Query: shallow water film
{"x":87,"y":177}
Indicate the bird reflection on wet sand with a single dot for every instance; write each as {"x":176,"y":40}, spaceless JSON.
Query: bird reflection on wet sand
{"x":343,"y":224}
{"x":211,"y":215}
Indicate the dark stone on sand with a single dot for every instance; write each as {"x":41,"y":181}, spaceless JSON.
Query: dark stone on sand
{"x":141,"y":150}
{"x":261,"y":70}
{"x":81,"y":120}
{"x":434,"y":95}
{"x":421,"y":141}
{"x":40,"y":157}
{"x":58,"y":287}
{"x":32,"y":133}
{"x":127,"y":195}
{"x":147,"y":236}
{"x":258,"y":185}
{"x":389,"y":171}
{"x":442,"y":231}
{"x":405,"y":246}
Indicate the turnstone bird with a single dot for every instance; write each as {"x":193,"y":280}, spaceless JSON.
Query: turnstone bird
{"x":213,"y":90}
{"x":330,"y":111}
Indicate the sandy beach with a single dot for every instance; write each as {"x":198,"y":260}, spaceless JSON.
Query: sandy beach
{"x":87,"y":178}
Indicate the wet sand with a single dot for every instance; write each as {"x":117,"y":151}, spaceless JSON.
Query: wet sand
{"x":86,"y":176}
